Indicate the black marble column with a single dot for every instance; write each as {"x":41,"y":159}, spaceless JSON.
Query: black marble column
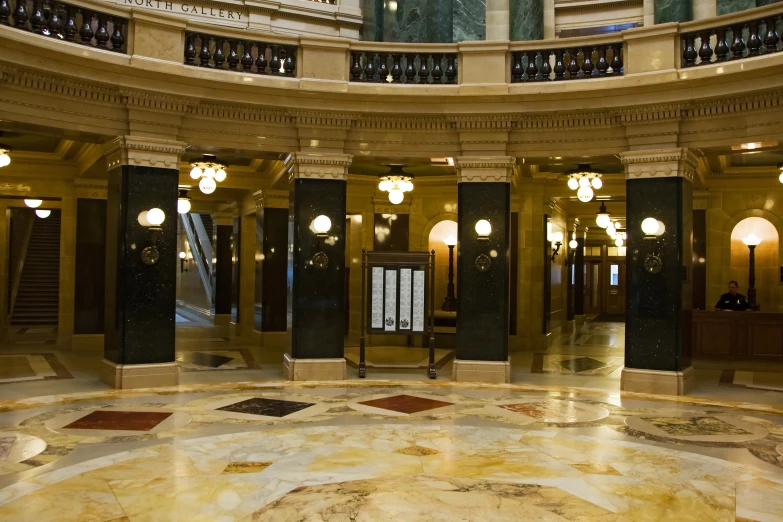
{"x":316,"y":296}
{"x":483,"y":299}
{"x":579,"y":278}
{"x":223,"y":268}
{"x":658,"y":305}
{"x":271,"y":269}
{"x":140,"y":298}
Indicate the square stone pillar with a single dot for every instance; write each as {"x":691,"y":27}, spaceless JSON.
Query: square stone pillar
{"x":658,"y":301}
{"x":484,"y":193}
{"x":224,"y":264}
{"x":316,"y":284}
{"x":140,"y":298}
{"x":271,"y":266}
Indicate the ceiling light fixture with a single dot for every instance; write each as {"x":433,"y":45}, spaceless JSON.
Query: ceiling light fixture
{"x":183,"y":202}
{"x":602,"y":217}
{"x":43,"y":214}
{"x":396,"y":182}
{"x":5,"y":159}
{"x":584,"y":180}
{"x":210,"y":171}
{"x":33,"y":203}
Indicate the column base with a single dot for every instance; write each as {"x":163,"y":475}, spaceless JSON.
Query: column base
{"x":221,"y":319}
{"x":314,"y":369}
{"x":579,"y":320}
{"x":87,"y":343}
{"x":658,"y":382}
{"x":464,"y":370}
{"x":127,"y":376}
{"x":274,"y":340}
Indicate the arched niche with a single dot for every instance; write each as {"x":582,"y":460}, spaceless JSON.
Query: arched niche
{"x":440,"y":231}
{"x":767,"y":261}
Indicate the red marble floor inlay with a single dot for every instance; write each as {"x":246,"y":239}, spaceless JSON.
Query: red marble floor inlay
{"x":120,"y":420}
{"x":406,"y":404}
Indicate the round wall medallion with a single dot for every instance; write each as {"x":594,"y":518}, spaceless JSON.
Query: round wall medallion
{"x":483,"y":262}
{"x":320,"y":260}
{"x":653,"y":264}
{"x":150,"y":255}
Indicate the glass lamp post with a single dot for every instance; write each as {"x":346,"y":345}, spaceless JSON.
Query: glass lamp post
{"x":450,"y":301}
{"x":752,"y":241}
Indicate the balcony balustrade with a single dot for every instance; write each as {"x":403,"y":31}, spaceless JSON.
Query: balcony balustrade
{"x":567,"y":63}
{"x":68,"y":22}
{"x":736,"y":40}
{"x":408,"y":68}
{"x":235,"y":54}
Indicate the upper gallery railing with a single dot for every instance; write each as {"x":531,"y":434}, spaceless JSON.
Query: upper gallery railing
{"x":235,"y":54}
{"x":732,"y":39}
{"x":416,"y":67}
{"x":568,"y":62}
{"x":68,"y":22}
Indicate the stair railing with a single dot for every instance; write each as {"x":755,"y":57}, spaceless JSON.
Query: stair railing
{"x":202,"y":261}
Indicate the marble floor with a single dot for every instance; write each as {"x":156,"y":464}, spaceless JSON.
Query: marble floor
{"x":234,"y":442}
{"x":387,"y":451}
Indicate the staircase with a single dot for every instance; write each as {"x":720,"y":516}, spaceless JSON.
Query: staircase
{"x":37,"y":300}
{"x":209,"y":226}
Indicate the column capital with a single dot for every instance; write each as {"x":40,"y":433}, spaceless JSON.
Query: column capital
{"x":311,"y":165}
{"x":143,"y":152}
{"x":484,"y":169}
{"x":660,"y":163}
{"x":271,"y":198}
{"x":223,"y":219}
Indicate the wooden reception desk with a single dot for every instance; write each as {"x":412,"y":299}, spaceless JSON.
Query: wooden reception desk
{"x":738,"y":335}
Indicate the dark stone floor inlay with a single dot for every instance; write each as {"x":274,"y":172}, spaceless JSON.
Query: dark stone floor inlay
{"x":582,"y":364}
{"x":119,"y":420}
{"x":267,"y":407}
{"x":406,"y":404}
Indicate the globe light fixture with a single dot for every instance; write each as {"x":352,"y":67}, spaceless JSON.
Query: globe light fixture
{"x":652,"y":227}
{"x":183,"y":202}
{"x":573,"y":244}
{"x":618,"y":241}
{"x":5,"y":159}
{"x":450,"y":240}
{"x":780,"y":167}
{"x":752,"y":240}
{"x":396,"y":182}
{"x":33,"y":203}
{"x":182,"y":255}
{"x":322,"y":224}
{"x":155,"y":217}
{"x":483,"y":228}
{"x":210,"y":171}
{"x":43,"y":214}
{"x":584,"y":180}
{"x":152,"y":219}
{"x":602,"y":218}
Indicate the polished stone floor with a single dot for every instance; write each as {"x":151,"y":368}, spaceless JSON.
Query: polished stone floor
{"x":234,"y":442}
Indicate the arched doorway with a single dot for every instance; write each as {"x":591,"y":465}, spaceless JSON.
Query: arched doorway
{"x":766,"y":253}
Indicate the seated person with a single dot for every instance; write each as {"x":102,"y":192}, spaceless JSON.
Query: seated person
{"x":733,"y":300}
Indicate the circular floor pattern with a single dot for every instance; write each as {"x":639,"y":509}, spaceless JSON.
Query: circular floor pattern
{"x":16,"y":447}
{"x":405,"y":404}
{"x":549,"y":411}
{"x":698,"y":428}
{"x":118,"y":421}
{"x":398,"y":472}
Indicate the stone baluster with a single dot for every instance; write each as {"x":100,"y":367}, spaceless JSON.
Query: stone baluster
{"x":754,"y":40}
{"x":289,"y":65}
{"x":5,"y":12}
{"x":573,"y":65}
{"x":204,"y":56}
{"x":531,"y":70}
{"x":705,"y":51}
{"x":587,"y":62}
{"x":451,"y":69}
{"x":20,"y":14}
{"x":101,"y":33}
{"x":55,"y":23}
{"x":410,"y":72}
{"x":396,"y":71}
{"x":190,"y":49}
{"x":559,"y":68}
{"x":70,"y":28}
{"x":233,"y":56}
{"x":601,"y":65}
{"x":274,"y":63}
{"x":383,"y":70}
{"x":85,"y":31}
{"x":247,"y":57}
{"x":424,"y":72}
{"x":546,"y":69}
{"x":516,"y":68}
{"x":738,"y":47}
{"x":355,"y":69}
{"x":369,"y":68}
{"x":722,"y":47}
{"x":117,"y":39}
{"x":689,"y":53}
{"x":771,"y":39}
{"x":261,"y":61}
{"x":218,"y":55}
{"x":617,"y":59}
{"x":37,"y":18}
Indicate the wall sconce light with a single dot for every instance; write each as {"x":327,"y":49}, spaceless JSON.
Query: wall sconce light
{"x":5,"y":159}
{"x":43,"y":214}
{"x":483,"y":230}
{"x":780,"y":167}
{"x":322,"y":224}
{"x":183,"y":202}
{"x":653,"y":229}
{"x":182,"y":260}
{"x":152,"y":219}
{"x":557,"y":239}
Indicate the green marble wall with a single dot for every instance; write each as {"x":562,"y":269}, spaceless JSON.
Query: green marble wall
{"x":732,"y":6}
{"x":759,"y":3}
{"x":420,"y":21}
{"x":470,"y":20}
{"x":673,"y":11}
{"x":526,"y":20}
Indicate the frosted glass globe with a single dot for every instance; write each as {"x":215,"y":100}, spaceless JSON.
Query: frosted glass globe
{"x":573,"y":184}
{"x":602,"y":220}
{"x":322,"y":224}
{"x":195,"y":173}
{"x":597,"y":183}
{"x":584,"y":182}
{"x":585,"y":194}
{"x":650,"y":226}
{"x":220,"y":175}
{"x":618,"y":241}
{"x":43,"y":214}
{"x":183,"y":206}
{"x":155,"y":216}
{"x":483,"y":228}
{"x":209,"y":172}
{"x":207,"y":185}
{"x":33,"y":203}
{"x":5,"y":160}
{"x":573,"y":244}
{"x":396,"y":196}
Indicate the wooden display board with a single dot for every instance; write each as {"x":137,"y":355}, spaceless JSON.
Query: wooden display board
{"x":399,"y":299}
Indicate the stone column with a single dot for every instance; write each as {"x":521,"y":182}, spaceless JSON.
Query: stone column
{"x":140,"y":298}
{"x":67,"y":282}
{"x":658,"y":303}
{"x":579,"y":281}
{"x":247,"y":272}
{"x":482,"y":302}
{"x":672,"y":11}
{"x":316,"y":291}
{"x":224,"y":229}
{"x":705,"y":9}
{"x":526,"y":20}
{"x":497,"y":19}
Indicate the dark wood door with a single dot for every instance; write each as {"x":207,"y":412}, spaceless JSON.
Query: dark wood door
{"x":615,"y":287}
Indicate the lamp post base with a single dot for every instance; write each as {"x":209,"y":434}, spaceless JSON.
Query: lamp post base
{"x":449,"y":304}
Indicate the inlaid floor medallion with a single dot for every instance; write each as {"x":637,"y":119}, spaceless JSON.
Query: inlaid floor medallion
{"x":406,"y":404}
{"x":549,"y":411}
{"x":704,"y":428}
{"x":266,"y":407}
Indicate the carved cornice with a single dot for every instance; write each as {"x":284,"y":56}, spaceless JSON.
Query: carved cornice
{"x":484,"y":169}
{"x":323,"y":120}
{"x":309,"y":165}
{"x":143,"y":152}
{"x":747,"y":173}
{"x":271,"y":199}
{"x":666,"y":163}
{"x":647,"y":114}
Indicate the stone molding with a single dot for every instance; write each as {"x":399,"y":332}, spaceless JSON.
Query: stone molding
{"x":223,"y":219}
{"x":143,"y":152}
{"x":271,"y":199}
{"x":310,"y":165}
{"x":666,"y":163}
{"x":484,"y":169}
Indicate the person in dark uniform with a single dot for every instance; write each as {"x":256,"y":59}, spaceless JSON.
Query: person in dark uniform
{"x":733,"y":300}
